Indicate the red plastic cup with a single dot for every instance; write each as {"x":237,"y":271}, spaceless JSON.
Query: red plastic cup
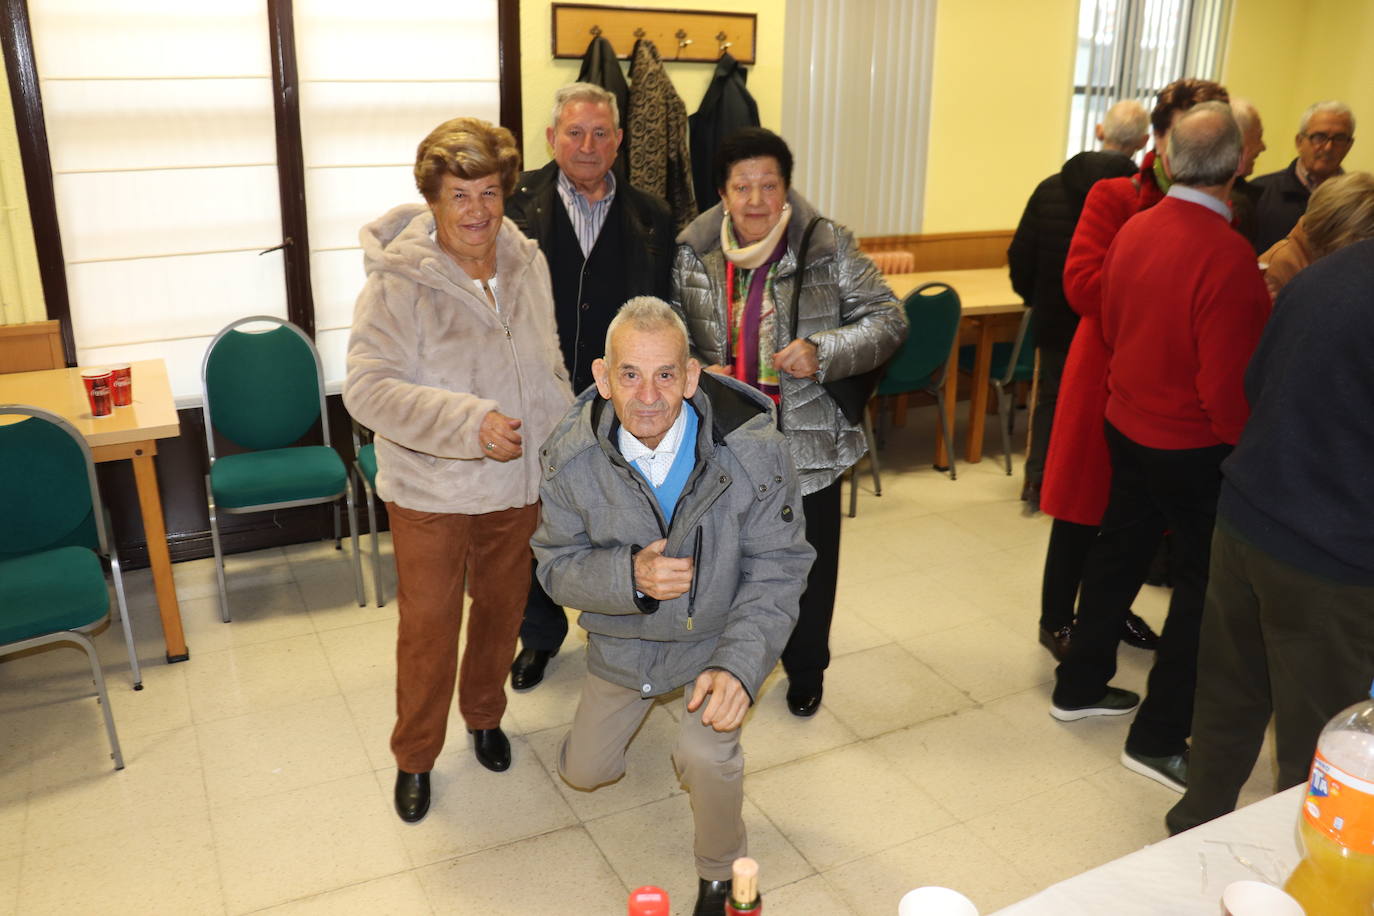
{"x":649,"y":901}
{"x":99,"y":391}
{"x":122,"y":384}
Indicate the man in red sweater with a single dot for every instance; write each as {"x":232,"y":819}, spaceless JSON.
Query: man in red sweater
{"x":1183,"y":307}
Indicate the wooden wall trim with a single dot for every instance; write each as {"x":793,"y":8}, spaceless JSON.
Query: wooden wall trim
{"x":512,"y":101}
{"x":947,"y":250}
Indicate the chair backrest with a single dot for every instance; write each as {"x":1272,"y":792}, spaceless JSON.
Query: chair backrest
{"x":932,"y":312}
{"x":263,"y":389}
{"x":31,"y":346}
{"x":48,"y":492}
{"x":1020,"y":360}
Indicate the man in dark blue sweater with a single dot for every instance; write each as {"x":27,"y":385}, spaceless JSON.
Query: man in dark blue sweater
{"x":1288,"y":626}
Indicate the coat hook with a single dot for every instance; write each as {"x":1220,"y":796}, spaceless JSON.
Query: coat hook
{"x":596,"y":31}
{"x":724,"y":45}
{"x":639,"y":33}
{"x":682,"y":39}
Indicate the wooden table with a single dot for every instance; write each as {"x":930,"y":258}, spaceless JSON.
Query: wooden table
{"x":991,"y":312}
{"x":129,"y":433}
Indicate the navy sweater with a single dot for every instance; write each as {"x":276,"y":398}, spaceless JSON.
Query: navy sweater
{"x":1300,"y":485}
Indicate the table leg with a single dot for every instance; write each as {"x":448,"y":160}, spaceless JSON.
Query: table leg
{"x":978,"y":402}
{"x":944,"y":449}
{"x":155,"y":530}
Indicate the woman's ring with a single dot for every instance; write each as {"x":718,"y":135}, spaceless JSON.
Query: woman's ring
{"x":491,"y":445}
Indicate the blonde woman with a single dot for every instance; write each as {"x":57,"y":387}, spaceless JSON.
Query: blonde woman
{"x":1340,"y":213}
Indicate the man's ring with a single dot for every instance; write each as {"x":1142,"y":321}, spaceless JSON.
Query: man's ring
{"x":491,"y":445}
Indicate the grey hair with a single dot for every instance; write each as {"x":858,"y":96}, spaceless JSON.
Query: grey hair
{"x":1245,"y":113}
{"x":583,"y":92}
{"x":1125,"y":123}
{"x":1205,"y":145}
{"x":1331,"y":106}
{"x":648,"y":314}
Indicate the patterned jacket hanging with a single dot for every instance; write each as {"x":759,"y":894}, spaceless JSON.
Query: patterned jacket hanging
{"x":656,"y":126}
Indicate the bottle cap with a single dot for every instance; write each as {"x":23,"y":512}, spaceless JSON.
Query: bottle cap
{"x":649,"y":901}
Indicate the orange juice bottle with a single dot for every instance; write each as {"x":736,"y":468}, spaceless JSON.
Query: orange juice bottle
{"x":1336,"y":827}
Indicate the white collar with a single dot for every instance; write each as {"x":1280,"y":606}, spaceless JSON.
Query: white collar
{"x":655,"y":462}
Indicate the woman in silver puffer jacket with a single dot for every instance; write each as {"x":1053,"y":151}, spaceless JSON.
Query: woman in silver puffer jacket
{"x":733,"y":282}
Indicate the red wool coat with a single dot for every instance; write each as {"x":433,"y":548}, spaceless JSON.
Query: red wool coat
{"x":1078,"y":468}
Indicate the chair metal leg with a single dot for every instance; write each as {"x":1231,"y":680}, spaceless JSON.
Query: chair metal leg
{"x":854,"y":491}
{"x":873,"y":454}
{"x":104,"y":698}
{"x":124,"y":619}
{"x":376,"y":545}
{"x":338,"y":528}
{"x":945,"y":428}
{"x":1006,"y":416}
{"x":219,"y":553}
{"x":353,"y":536}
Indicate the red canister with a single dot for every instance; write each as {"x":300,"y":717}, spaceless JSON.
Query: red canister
{"x":99,"y":391}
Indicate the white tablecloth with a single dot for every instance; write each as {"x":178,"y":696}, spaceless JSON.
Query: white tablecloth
{"x":1186,"y":873}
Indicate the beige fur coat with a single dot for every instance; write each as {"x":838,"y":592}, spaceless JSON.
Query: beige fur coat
{"x":429,"y":357}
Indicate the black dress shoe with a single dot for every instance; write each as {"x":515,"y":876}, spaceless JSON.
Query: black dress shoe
{"x":412,"y":796}
{"x":1057,"y":641}
{"x":492,"y":748}
{"x":803,"y":701}
{"x":711,"y":897}
{"x":1136,"y":632}
{"x":528,"y":668}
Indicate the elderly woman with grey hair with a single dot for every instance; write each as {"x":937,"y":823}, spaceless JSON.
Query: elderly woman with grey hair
{"x":734,"y":282}
{"x":454,"y":363}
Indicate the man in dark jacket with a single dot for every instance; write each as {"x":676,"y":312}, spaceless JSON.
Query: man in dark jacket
{"x":605,"y":242}
{"x":1037,"y":252}
{"x":1288,"y":625}
{"x":1325,"y":135}
{"x":672,"y":516}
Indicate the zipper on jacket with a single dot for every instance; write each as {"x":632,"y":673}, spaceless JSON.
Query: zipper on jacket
{"x":515,"y":357}
{"x":696,"y":571}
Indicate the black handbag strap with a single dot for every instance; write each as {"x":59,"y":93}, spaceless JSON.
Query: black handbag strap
{"x":801,"y":267}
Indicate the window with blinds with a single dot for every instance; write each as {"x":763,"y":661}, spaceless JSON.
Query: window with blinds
{"x":163,"y":145}
{"x":1131,"y":49}
{"x":860,"y":70}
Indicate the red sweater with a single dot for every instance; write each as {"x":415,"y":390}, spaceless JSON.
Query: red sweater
{"x":1183,"y":307}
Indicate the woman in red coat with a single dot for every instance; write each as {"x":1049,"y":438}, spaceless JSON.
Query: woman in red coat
{"x":1078,"y":470}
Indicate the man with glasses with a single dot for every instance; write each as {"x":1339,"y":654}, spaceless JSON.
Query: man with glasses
{"x":1326,"y":134}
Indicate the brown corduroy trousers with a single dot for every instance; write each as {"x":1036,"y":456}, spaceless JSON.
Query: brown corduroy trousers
{"x":435,"y":553}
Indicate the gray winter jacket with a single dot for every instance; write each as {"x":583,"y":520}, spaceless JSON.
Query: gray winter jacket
{"x":751,"y":568}
{"x":847,"y":311}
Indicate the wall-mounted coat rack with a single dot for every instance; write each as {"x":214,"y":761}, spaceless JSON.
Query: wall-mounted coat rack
{"x":680,"y":35}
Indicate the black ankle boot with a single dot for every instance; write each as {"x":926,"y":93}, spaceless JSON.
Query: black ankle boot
{"x":711,"y":897}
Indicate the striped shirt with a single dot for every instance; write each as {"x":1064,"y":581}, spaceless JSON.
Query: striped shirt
{"x":586,"y":217}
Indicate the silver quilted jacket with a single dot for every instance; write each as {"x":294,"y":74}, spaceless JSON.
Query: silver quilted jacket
{"x":847,"y":311}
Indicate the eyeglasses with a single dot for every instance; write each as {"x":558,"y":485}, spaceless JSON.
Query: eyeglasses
{"x":1321,"y":139}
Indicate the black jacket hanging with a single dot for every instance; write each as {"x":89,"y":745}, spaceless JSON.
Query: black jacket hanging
{"x":601,"y":67}
{"x":726,"y":107}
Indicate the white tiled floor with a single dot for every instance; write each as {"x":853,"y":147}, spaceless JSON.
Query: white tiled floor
{"x":258,"y":775}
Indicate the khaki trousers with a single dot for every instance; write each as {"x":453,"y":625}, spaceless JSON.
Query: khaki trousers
{"x":435,"y":553}
{"x":709,"y":763}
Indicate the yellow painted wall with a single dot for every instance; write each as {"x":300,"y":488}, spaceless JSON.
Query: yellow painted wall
{"x":999,"y":116}
{"x":21,"y":290}
{"x":1284,"y":56}
{"x":541,"y":75}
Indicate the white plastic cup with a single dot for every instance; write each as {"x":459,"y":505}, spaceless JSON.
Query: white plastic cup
{"x":1255,"y":898}
{"x":935,"y":901}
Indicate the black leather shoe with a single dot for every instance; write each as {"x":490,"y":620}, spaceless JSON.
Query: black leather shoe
{"x":1136,"y":632}
{"x":412,"y":796}
{"x":492,"y":748}
{"x":528,"y":668}
{"x":1057,"y":641}
{"x":803,"y":701}
{"x":711,"y":897}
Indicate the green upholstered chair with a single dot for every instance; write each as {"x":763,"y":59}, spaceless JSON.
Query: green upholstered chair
{"x":1011,"y":363}
{"x":365,"y":470}
{"x":264,"y":391}
{"x":932,"y":311}
{"x":52,"y":584}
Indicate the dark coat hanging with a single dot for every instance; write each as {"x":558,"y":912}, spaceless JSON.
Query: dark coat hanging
{"x":726,"y":107}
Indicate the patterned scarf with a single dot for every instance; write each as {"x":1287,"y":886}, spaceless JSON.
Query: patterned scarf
{"x":751,"y":304}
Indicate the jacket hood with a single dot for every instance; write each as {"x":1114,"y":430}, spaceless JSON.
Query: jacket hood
{"x":1081,"y":172}
{"x":402,"y":241}
{"x":702,"y":235}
